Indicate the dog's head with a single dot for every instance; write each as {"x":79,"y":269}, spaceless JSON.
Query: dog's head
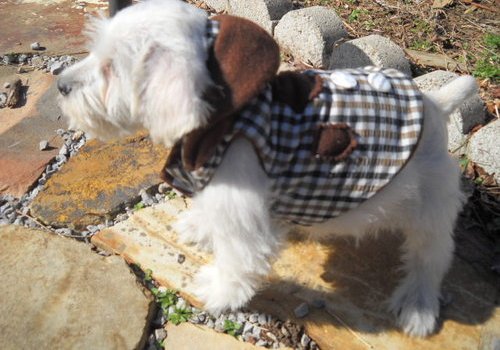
{"x":154,"y":66}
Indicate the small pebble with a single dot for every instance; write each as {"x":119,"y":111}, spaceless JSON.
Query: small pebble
{"x":181,"y":258}
{"x":22,"y":58}
{"x":63,"y":231}
{"x":305,"y":340}
{"x":160,"y":334}
{"x":254,"y":318}
{"x":3,"y":99}
{"x":35,"y":46}
{"x":261,"y":342}
{"x":56,"y":68}
{"x":210,"y":323}
{"x":302,"y":310}
{"x":262,"y":319}
{"x":6,"y":85}
{"x":44,"y":145}
{"x":163,"y":188}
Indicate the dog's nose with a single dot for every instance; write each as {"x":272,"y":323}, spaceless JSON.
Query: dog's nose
{"x":63,"y":88}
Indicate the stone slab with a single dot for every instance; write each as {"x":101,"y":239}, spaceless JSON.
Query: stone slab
{"x":96,"y":183}
{"x":22,"y":128}
{"x":55,"y":24}
{"x":354,"y":281}
{"x":58,"y":294}
{"x":484,"y":148}
{"x":187,"y":336}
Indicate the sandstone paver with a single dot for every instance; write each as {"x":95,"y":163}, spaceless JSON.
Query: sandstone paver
{"x":95,"y":184}
{"x":22,"y":128}
{"x":188,"y":336}
{"x":58,"y":294}
{"x":55,"y":24}
{"x":354,"y":282}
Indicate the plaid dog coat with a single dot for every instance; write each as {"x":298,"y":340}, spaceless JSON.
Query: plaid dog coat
{"x":378,"y":112}
{"x":354,"y":132}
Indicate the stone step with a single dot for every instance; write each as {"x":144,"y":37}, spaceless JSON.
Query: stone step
{"x":57,"y":293}
{"x":353,"y":283}
{"x":95,"y":184}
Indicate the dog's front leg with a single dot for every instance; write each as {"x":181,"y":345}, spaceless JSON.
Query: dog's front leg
{"x":234,"y":208}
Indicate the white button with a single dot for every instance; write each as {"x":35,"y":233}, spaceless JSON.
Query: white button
{"x":343,"y":80}
{"x":379,"y":82}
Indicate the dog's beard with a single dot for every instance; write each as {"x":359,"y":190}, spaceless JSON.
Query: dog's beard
{"x":85,"y":110}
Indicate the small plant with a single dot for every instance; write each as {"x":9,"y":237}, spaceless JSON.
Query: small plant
{"x":148,"y":275}
{"x":421,"y":44}
{"x":488,"y":66}
{"x":139,"y":206}
{"x":168,"y":300}
{"x":179,"y":316}
{"x":231,"y":327}
{"x":170,"y":195}
{"x":356,"y":14}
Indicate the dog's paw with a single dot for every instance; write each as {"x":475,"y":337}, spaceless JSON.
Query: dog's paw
{"x":220,"y":290}
{"x":190,"y":232}
{"x":416,"y":312}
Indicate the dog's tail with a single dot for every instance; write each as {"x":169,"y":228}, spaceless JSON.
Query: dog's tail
{"x":453,"y":94}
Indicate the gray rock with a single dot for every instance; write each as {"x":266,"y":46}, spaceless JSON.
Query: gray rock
{"x":372,"y":50}
{"x":160,"y":334}
{"x":210,"y":323}
{"x":241,"y":317}
{"x":305,"y":340}
{"x":254,"y":318}
{"x":35,"y":46}
{"x":247,"y":328}
{"x":218,"y":5}
{"x":63,"y":231}
{"x":302,"y":310}
{"x":37,"y":62}
{"x":22,"y":58}
{"x":261,"y":342}
{"x":484,"y":148}
{"x":56,"y":68}
{"x":7,"y":59}
{"x":309,"y":34}
{"x":3,"y":99}
{"x":263,"y":12}
{"x":44,"y":145}
{"x":469,"y":114}
{"x":262,"y":320}
{"x":256,"y":331}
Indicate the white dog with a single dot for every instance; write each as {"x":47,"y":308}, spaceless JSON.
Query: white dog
{"x":190,"y":81}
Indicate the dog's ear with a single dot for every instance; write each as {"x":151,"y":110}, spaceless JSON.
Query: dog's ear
{"x":168,"y":92}
{"x":244,"y":58}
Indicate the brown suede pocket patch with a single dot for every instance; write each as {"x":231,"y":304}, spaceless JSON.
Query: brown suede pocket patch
{"x":335,"y":141}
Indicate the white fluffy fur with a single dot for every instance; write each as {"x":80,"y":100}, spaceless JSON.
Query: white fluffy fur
{"x":147,"y":69}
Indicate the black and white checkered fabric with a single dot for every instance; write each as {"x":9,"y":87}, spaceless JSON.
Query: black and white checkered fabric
{"x":307,"y":189}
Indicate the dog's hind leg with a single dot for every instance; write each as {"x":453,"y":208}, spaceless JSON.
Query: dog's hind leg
{"x":234,"y":207}
{"x":427,"y":251}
